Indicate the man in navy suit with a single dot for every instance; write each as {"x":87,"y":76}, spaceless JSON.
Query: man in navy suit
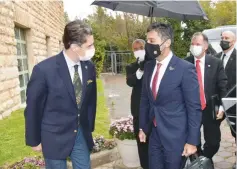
{"x":61,"y":101}
{"x":170,"y":103}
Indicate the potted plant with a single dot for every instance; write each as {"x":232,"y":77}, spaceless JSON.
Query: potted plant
{"x":123,"y":132}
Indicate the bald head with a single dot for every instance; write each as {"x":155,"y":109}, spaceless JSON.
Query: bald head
{"x":228,"y":39}
{"x":228,"y":35}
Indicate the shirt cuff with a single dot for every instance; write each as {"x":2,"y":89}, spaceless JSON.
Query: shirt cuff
{"x":139,"y":74}
{"x":221,"y":108}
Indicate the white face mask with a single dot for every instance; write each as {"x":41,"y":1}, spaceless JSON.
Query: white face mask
{"x":196,"y":50}
{"x":89,"y":55}
{"x":140,"y":54}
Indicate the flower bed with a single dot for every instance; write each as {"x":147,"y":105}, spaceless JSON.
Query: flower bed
{"x":123,"y":129}
{"x":38,"y":162}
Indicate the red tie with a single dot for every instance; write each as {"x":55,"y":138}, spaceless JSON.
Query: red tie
{"x":199,"y":74}
{"x":154,"y":88}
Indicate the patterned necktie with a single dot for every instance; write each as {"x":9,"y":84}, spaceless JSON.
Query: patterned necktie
{"x":154,"y":88}
{"x":201,"y":88}
{"x":77,"y":86}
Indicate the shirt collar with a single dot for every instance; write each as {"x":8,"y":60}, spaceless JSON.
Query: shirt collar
{"x":69,"y":61}
{"x":202,"y":60}
{"x":166,"y":60}
{"x":229,"y":52}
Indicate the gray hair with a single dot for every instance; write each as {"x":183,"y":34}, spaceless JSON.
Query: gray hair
{"x":141,"y":41}
{"x":205,"y":38}
{"x":76,"y":32}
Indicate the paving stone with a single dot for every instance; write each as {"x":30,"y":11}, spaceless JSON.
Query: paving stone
{"x":218,"y":159}
{"x":224,"y":165}
{"x":231,"y":149}
{"x":225,"y":154}
{"x":225,"y":145}
{"x":231,"y":159}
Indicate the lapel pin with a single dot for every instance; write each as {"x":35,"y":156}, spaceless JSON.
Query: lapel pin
{"x":208,"y":65}
{"x":171,"y":68}
{"x":86,"y":67}
{"x":155,"y":52}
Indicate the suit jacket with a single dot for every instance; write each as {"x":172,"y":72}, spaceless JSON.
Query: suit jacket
{"x":136,"y":85}
{"x":177,"y":108}
{"x":230,"y":69}
{"x":51,"y":114}
{"x":215,"y":79}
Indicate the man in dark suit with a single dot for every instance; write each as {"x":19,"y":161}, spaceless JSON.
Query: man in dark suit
{"x":134,"y":73}
{"x":61,"y":101}
{"x":212,"y":82}
{"x":170,"y":102}
{"x":228,"y":57}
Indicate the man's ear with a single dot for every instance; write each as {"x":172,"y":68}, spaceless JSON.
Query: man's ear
{"x":168,"y":43}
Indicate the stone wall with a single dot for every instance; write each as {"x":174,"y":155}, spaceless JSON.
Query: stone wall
{"x":43,"y":23}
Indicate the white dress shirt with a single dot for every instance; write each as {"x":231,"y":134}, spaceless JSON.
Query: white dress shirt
{"x":202,"y":66}
{"x":226,"y":58}
{"x":71,"y":65}
{"x":164,"y":64}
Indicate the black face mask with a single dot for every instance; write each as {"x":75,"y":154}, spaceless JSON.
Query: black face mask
{"x":225,"y":45}
{"x":152,"y":51}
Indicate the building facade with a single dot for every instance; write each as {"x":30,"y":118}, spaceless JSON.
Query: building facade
{"x":30,"y":31}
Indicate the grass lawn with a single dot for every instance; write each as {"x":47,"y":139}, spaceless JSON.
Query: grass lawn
{"x":12,"y":140}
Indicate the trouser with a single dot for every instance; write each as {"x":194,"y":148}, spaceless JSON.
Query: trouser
{"x":159,"y":158}
{"x":142,"y":147}
{"x":80,"y":156}
{"x":212,"y":134}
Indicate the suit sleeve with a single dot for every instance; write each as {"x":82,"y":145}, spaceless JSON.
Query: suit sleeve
{"x":36,"y":94}
{"x":131,"y":77}
{"x":221,"y":80}
{"x":144,"y":106}
{"x":190,"y":88}
{"x":93,"y":102}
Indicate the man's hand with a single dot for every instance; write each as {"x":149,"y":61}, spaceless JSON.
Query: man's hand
{"x":142,"y":136}
{"x":37,"y":148}
{"x":141,"y":65}
{"x":220,"y":115}
{"x":189,"y":150}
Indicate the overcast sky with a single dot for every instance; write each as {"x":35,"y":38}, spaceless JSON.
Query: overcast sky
{"x":80,"y":8}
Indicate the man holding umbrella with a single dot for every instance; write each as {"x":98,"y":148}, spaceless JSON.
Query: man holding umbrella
{"x":170,"y":102}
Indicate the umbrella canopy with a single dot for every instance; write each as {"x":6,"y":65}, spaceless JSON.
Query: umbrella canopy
{"x":182,"y":10}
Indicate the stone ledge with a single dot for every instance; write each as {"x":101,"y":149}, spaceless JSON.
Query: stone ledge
{"x":101,"y":158}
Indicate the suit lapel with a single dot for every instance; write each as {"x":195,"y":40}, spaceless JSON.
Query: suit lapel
{"x":84,"y":69}
{"x":151,"y":67}
{"x":207,"y":73}
{"x":65,"y":75}
{"x":167,"y":76}
{"x":231,"y":60}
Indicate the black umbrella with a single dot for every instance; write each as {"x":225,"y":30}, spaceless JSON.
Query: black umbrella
{"x":182,"y":10}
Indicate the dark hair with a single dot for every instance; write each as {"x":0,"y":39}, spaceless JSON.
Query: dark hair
{"x":165,"y":31}
{"x":205,"y":38}
{"x":76,"y":32}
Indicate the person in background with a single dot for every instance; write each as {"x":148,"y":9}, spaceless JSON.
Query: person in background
{"x":228,"y":58}
{"x":170,"y":102}
{"x":212,"y":82}
{"x":61,"y":101}
{"x":134,"y":77}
